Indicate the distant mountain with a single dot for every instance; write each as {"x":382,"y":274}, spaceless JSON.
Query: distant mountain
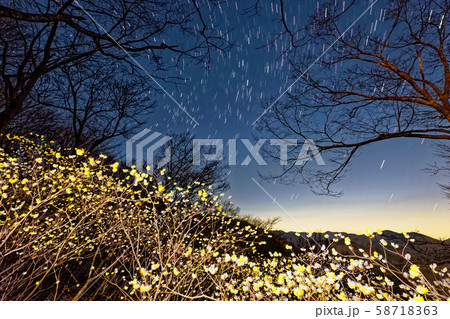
{"x":424,"y":250}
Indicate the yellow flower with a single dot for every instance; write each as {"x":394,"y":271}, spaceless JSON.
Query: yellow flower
{"x":342,"y":296}
{"x":414,"y":271}
{"x":299,"y":292}
{"x":351,"y":284}
{"x":211,"y":269}
{"x":143,"y":272}
{"x":418,"y":298}
{"x":145,"y":288}
{"x":176,"y":272}
{"x":367,"y":290}
{"x":300,"y":268}
{"x":347,"y":241}
{"x":79,"y":151}
{"x":115,"y":166}
{"x":421,"y":289}
{"x":331,"y":275}
{"x":242,"y":260}
{"x":369,"y":233}
{"x":161,"y":188}
{"x":155,"y":266}
{"x":58,"y":155}
{"x":203,"y":193}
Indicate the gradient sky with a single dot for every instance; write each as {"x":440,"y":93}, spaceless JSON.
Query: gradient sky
{"x":229,"y":96}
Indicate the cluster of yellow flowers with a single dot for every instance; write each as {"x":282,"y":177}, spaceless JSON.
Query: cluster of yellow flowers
{"x":69,"y":219}
{"x":315,"y":275}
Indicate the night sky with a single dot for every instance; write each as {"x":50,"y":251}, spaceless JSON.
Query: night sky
{"x":226,"y":98}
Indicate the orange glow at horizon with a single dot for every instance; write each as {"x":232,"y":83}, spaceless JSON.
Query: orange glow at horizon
{"x":434,"y":222}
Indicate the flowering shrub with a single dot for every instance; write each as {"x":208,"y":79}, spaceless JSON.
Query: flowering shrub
{"x":77,"y":227}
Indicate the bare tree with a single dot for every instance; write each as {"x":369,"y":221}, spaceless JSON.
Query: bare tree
{"x":86,"y":105}
{"x":381,"y":80}
{"x":39,"y":38}
{"x":100,"y":102}
{"x":182,"y":172}
{"x":442,"y":151}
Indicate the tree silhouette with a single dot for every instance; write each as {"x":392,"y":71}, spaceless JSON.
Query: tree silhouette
{"x":379,"y":81}
{"x":86,"y":105}
{"x":38,"y":39}
{"x":182,"y":172}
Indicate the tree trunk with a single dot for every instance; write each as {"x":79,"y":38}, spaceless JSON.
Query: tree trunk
{"x":6,"y":116}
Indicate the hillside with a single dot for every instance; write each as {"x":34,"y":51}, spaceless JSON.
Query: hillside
{"x":74,"y":226}
{"x":424,"y":250}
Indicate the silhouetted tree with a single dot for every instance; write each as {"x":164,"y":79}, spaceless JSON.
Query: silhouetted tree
{"x":442,"y":151}
{"x":39,"y":39}
{"x":382,"y":80}
{"x":182,"y":172}
{"x":86,"y":105}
